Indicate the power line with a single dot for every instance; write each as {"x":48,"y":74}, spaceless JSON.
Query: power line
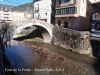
{"x":45,"y":8}
{"x":43,"y":14}
{"x":18,"y":2}
{"x":11,"y":2}
{"x":42,"y":10}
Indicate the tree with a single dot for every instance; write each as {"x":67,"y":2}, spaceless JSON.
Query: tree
{"x":5,"y":33}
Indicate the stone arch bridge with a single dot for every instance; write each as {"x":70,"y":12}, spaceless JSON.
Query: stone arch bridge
{"x":45,"y":28}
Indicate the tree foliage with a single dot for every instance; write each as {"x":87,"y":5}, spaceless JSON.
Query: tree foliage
{"x":5,"y":33}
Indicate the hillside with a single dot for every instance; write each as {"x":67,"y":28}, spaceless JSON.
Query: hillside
{"x":6,"y":6}
{"x":24,"y":7}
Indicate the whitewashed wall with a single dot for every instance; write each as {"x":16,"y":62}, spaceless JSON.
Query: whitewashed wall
{"x":44,"y":7}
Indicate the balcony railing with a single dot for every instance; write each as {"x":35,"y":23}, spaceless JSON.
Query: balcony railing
{"x":98,"y":15}
{"x":95,"y":34}
{"x":66,"y":12}
{"x":71,"y":2}
{"x":70,"y":10}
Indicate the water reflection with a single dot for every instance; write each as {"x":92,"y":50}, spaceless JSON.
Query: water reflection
{"x":20,"y":56}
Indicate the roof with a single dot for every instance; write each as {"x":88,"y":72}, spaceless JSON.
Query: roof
{"x":5,"y":9}
{"x":96,"y":3}
{"x":36,"y":0}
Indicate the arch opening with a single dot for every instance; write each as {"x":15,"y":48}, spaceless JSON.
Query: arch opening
{"x":45,"y":34}
{"x":40,"y":31}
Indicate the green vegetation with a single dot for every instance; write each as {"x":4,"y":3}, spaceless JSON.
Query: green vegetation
{"x":34,"y":39}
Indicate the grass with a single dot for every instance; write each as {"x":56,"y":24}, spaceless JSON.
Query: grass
{"x":34,"y":40}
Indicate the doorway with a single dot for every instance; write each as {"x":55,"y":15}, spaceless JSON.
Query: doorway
{"x":65,"y":24}
{"x":59,"y":23}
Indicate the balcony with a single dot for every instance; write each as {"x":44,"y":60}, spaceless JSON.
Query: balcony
{"x":95,"y":34}
{"x":98,"y":15}
{"x":67,"y":12}
{"x":95,"y":1}
{"x":67,"y":15}
{"x":65,"y":4}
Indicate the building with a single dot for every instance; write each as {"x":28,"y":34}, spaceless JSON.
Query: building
{"x":96,"y":18}
{"x":42,"y":10}
{"x":8,"y":15}
{"x":17,"y":15}
{"x":94,"y":1}
{"x":95,"y":30}
{"x":73,"y":14}
{"x":21,"y":15}
{"x":28,"y":14}
{"x":53,"y":12}
{"x":5,"y":15}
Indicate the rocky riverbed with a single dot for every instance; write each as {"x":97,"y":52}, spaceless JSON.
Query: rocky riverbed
{"x":47,"y":59}
{"x":58,"y":63}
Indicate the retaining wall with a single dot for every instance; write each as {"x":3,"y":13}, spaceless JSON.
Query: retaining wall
{"x":77,"y":41}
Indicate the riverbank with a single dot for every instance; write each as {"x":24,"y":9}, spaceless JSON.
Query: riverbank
{"x":62,"y":60}
{"x":40,"y":43}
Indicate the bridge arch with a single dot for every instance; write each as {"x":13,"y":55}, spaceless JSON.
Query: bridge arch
{"x":44,"y":28}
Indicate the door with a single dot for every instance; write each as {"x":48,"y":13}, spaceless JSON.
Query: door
{"x":65,"y":24}
{"x":59,"y":23}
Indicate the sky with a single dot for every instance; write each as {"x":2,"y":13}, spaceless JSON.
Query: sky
{"x":15,"y":2}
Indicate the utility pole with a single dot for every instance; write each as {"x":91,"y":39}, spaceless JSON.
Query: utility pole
{"x":38,"y":11}
{"x":34,"y":8}
{"x":0,"y":21}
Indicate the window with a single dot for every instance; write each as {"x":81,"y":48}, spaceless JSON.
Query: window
{"x":73,"y":10}
{"x":98,"y":9}
{"x":46,"y":14}
{"x":36,"y":11}
{"x":6,"y":14}
{"x":5,"y":17}
{"x":66,"y":11}
{"x":58,"y":11}
{"x":70,"y":10}
{"x":97,"y":27}
{"x":61,"y":11}
{"x":64,"y":1}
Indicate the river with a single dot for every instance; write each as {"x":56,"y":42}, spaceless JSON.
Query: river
{"x":38,"y":58}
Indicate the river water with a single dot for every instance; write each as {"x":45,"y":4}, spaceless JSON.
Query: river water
{"x":20,"y":57}
{"x":31,"y":58}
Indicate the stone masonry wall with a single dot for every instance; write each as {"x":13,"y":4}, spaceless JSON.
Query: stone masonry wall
{"x":77,"y":41}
